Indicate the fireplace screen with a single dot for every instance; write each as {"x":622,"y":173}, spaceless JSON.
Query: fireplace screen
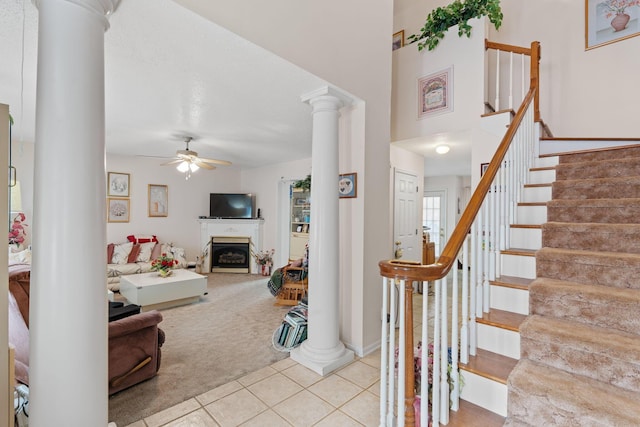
{"x":230,"y":254}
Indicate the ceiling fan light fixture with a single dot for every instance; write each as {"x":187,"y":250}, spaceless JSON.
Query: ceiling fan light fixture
{"x":193,"y":167}
{"x":183,"y":166}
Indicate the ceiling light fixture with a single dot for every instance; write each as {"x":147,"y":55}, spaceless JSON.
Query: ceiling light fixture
{"x":442,"y":149}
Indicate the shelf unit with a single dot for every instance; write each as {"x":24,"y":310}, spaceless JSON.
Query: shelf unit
{"x":300,"y":221}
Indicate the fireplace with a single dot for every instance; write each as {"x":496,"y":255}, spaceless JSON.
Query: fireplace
{"x":230,"y":254}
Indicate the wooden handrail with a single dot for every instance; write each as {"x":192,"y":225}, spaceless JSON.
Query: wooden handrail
{"x":506,"y":47}
{"x":405,"y":270}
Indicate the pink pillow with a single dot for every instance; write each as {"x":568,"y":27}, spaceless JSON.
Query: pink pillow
{"x":157,"y":250}
{"x":133,"y":255}
{"x":109,"y":252}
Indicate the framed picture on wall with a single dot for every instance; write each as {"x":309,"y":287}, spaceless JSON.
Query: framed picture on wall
{"x":117,"y":184}
{"x":158,"y":200}
{"x":483,"y":168}
{"x":435,"y":93}
{"x":609,"y":21}
{"x":117,"y":209}
{"x":398,"y":40}
{"x":348,"y":185}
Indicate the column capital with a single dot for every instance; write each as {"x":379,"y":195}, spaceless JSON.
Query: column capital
{"x":344,"y":99}
{"x":101,"y":8}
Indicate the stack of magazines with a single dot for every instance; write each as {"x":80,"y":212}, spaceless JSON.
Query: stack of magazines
{"x":293,"y":329}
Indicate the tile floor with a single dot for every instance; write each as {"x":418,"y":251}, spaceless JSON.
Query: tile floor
{"x":284,"y":394}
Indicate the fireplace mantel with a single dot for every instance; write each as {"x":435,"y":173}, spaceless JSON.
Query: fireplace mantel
{"x":251,"y":228}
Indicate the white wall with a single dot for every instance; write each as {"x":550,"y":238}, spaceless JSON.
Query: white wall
{"x":454,"y":187}
{"x":188,"y":199}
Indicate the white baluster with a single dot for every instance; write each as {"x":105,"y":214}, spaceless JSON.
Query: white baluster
{"x":480,"y":261}
{"x":511,"y":80}
{"x":464,"y":330}
{"x":401,"y":356}
{"x":455,"y":394}
{"x":444,"y":354}
{"x":472,"y":289}
{"x":424,"y":373}
{"x":392,"y":349}
{"x":384,"y":357}
{"x":497,"y":80}
{"x":485,"y":281}
{"x":435,"y":391}
{"x":522,"y":73}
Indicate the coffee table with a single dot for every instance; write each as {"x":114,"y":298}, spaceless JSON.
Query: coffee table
{"x":152,"y":292}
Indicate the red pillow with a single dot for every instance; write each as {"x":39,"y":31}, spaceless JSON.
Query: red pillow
{"x":110,"y":252}
{"x":142,"y":239}
{"x":133,"y":255}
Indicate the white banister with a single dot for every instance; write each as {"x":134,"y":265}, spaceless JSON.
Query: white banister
{"x":497,"y":101}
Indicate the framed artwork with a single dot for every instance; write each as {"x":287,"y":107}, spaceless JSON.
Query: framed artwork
{"x":305,"y":228}
{"x":301,"y":201}
{"x":609,"y":21}
{"x":398,"y":40}
{"x":117,"y":184}
{"x":299,"y":228}
{"x":117,"y":209}
{"x":158,"y":200}
{"x":483,"y":168}
{"x":348,"y":185}
{"x":435,"y":93}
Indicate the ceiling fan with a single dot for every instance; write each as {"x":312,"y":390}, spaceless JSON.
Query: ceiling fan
{"x":188,"y":160}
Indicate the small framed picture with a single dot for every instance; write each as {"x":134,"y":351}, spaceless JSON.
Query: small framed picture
{"x":483,"y":168}
{"x":158,"y":200}
{"x":305,"y":228}
{"x":609,"y":21}
{"x":398,"y":40}
{"x":299,"y":228}
{"x":301,"y":201}
{"x":348,"y":185}
{"x":435,"y":93}
{"x":118,"y":184}
{"x":117,"y":209}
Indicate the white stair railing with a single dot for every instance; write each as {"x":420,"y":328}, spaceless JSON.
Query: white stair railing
{"x":476,"y":243}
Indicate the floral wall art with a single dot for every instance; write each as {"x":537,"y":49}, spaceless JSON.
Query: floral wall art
{"x":609,"y":21}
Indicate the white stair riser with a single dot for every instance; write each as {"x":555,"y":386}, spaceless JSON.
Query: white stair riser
{"x":498,"y":340}
{"x":510,"y":299}
{"x":543,"y":162}
{"x":542,"y":177}
{"x":518,"y":266}
{"x":536,"y":194}
{"x":531,"y":215}
{"x":526,"y":238}
{"x":496,"y":124}
{"x":484,"y":392}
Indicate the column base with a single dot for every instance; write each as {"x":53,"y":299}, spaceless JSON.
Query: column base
{"x":322,"y":362}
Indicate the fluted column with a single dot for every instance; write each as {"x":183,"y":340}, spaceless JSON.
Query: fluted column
{"x":323,"y":351}
{"x":68,"y":308}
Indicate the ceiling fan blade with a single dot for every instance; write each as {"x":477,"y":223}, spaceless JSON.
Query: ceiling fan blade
{"x":172,"y":162}
{"x":203,"y":165}
{"x":216,"y":161}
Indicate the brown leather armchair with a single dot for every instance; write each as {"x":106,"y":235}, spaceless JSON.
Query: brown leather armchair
{"x":134,"y":341}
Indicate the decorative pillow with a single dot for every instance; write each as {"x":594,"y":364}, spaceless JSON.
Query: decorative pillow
{"x":145,"y":251}
{"x":178,"y":254}
{"x":22,"y":257}
{"x":121,"y":253}
{"x":109,"y":252}
{"x":142,"y":239}
{"x":133,"y":255}
{"x":156,"y":252}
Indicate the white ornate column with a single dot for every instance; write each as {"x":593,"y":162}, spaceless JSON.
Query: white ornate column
{"x":68,"y":307}
{"x":323,"y":352}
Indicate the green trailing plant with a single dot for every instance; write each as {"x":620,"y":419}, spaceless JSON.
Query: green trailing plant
{"x":456,"y":13}
{"x":305,"y":184}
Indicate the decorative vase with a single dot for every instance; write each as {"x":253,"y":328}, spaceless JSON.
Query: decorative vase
{"x":165,"y":273}
{"x":266,"y":269}
{"x":620,"y":21}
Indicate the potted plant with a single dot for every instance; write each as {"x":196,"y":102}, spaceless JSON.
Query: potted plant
{"x":163,"y":265}
{"x":457,"y":13}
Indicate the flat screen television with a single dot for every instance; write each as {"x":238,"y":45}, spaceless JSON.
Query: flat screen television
{"x":232,"y":205}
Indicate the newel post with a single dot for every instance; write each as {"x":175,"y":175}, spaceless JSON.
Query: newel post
{"x":409,"y":382}
{"x":535,"y":78}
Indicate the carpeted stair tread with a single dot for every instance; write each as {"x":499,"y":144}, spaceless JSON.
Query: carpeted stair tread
{"x":597,"y":188}
{"x":608,"y":168}
{"x":620,"y":270}
{"x":606,"y":210}
{"x":544,"y":396}
{"x":592,"y":236}
{"x":586,"y":303}
{"x":599,"y":353}
{"x":613,"y":153}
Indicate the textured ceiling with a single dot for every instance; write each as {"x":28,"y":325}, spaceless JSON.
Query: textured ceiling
{"x":170,"y":73}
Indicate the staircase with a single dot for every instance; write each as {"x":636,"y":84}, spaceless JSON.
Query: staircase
{"x":580,"y":345}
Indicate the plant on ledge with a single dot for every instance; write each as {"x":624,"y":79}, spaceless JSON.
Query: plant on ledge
{"x":163,"y":265}
{"x":456,"y":13}
{"x":305,"y":184}
{"x":17,"y":232}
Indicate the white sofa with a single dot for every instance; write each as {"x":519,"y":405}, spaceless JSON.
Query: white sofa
{"x":124,"y":262}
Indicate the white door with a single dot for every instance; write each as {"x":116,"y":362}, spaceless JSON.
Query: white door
{"x":406,"y":237}
{"x":434,"y":213}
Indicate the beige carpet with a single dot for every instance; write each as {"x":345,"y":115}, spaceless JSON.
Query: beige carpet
{"x":223,"y":337}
